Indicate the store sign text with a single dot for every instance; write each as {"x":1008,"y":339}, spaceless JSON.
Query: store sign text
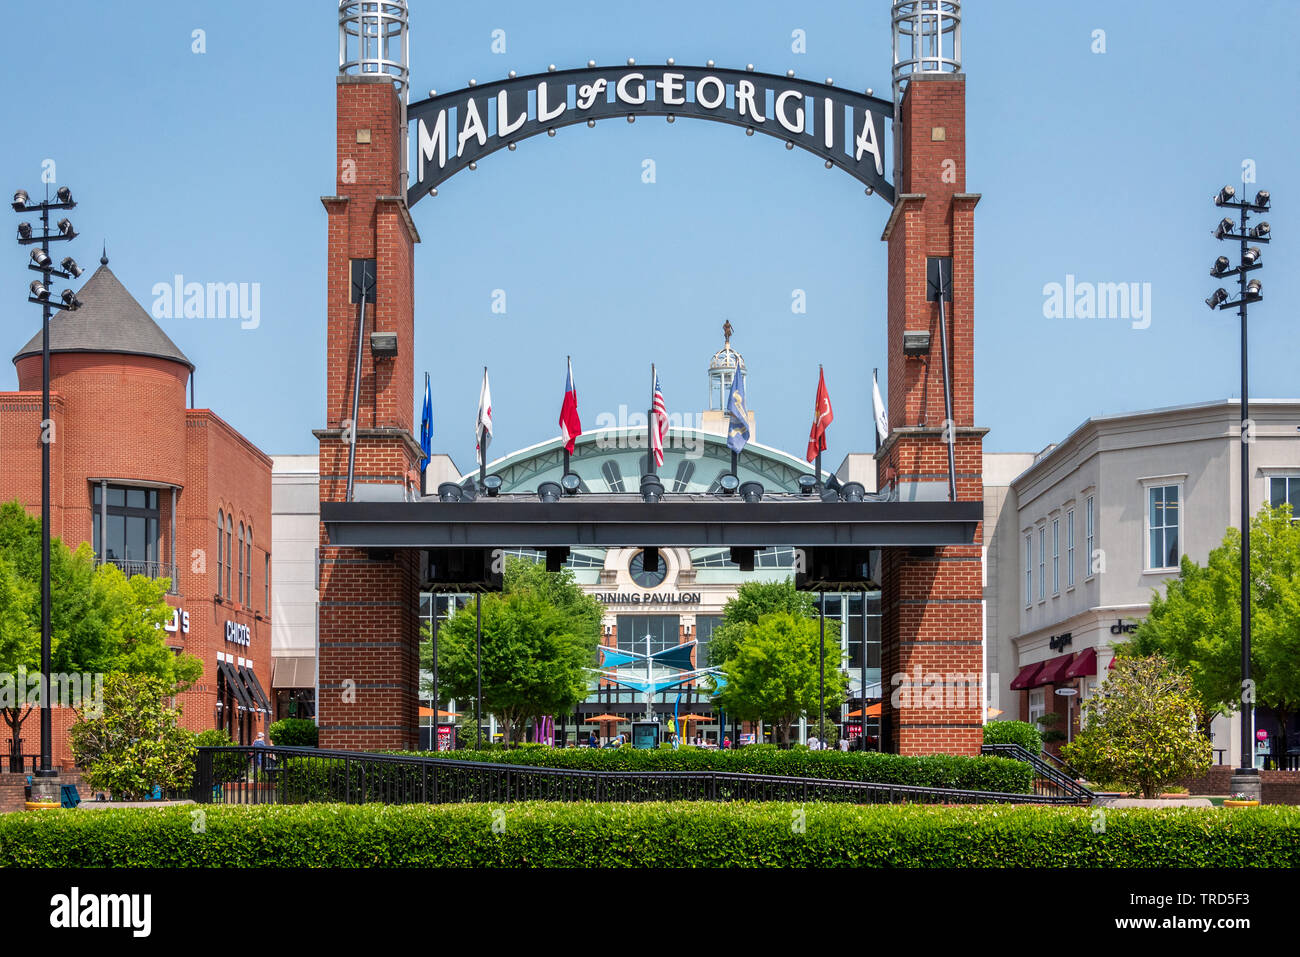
{"x":238,"y":634}
{"x":649,"y":598}
{"x":180,"y":622}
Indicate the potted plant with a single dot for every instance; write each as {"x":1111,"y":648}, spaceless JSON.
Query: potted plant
{"x":1240,"y":799}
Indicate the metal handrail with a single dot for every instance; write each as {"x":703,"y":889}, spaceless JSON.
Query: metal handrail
{"x":285,"y":775}
{"x":1046,"y":775}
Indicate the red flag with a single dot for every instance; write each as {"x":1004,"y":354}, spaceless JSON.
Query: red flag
{"x":570,"y":424}
{"x":822,"y":418}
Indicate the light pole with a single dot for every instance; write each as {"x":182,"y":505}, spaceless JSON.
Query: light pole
{"x":39,"y":293}
{"x":1246,"y":778}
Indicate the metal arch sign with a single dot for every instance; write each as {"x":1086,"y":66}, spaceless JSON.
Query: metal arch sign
{"x":844,"y":128}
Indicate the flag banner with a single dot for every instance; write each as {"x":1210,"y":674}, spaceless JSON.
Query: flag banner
{"x":570,"y":424}
{"x":483,"y":424}
{"x":738,"y":414}
{"x":426,"y":426}
{"x":822,"y":418}
{"x":878,"y":408}
{"x":659,"y":426}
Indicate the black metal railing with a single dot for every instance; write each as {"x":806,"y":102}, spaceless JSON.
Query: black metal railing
{"x":1053,"y":779}
{"x":150,"y":569}
{"x":271,"y":775}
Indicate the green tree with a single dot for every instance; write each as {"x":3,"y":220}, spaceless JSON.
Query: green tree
{"x":100,"y":621}
{"x":773,"y":674}
{"x":1140,"y":728}
{"x":752,"y":601}
{"x":1196,"y":624}
{"x":136,"y":743}
{"x":539,"y":642}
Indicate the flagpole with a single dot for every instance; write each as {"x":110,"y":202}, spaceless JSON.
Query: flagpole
{"x":569,"y":359}
{"x":482,"y":446}
{"x":876,"y":428}
{"x":817,"y":412}
{"x":650,"y":424}
{"x":434,"y":598}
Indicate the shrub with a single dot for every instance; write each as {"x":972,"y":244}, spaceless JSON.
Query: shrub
{"x":293,"y":733}
{"x":652,"y":835}
{"x":937,"y":770}
{"x":1014,"y":732}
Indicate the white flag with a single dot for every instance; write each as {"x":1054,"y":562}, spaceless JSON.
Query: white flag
{"x":878,"y":407}
{"x":483,"y":424}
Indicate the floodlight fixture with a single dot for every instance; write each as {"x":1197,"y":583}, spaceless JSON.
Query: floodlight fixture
{"x":20,"y":200}
{"x":752,"y":491}
{"x":571,"y":483}
{"x":1217,"y":298}
{"x":492,"y":485}
{"x":1224,"y":195}
{"x":1220,"y":267}
{"x":549,"y":492}
{"x":38,"y":291}
{"x":448,"y":492}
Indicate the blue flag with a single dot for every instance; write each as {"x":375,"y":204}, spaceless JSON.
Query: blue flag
{"x":426,"y":426}
{"x":738,"y":417}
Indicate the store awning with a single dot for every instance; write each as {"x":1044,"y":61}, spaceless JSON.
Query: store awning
{"x":1085,"y":664}
{"x":236,"y":685}
{"x":1026,"y":678}
{"x":298,"y":671}
{"x":255,"y":689}
{"x":1054,"y":670}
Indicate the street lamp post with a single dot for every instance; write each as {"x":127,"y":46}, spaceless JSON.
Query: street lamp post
{"x":1246,"y":778}
{"x":39,"y":293}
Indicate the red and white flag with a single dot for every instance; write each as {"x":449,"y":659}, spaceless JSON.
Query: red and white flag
{"x":659,"y":420}
{"x":822,"y":418}
{"x":483,"y":424}
{"x":570,"y":424}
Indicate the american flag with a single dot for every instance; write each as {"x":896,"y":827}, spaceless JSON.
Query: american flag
{"x":660,"y":413}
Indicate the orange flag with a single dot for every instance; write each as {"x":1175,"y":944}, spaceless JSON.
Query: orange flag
{"x":822,"y":418}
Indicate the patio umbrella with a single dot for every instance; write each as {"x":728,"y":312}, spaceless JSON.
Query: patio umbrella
{"x":604,"y":719}
{"x":428,"y":713}
{"x":873,"y":711}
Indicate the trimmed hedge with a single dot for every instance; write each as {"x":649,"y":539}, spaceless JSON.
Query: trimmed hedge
{"x":693,"y":834}
{"x":1027,"y":735}
{"x":936,"y":770}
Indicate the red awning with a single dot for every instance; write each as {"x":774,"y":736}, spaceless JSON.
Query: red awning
{"x":1084,"y":665}
{"x":1054,"y":670}
{"x":1026,"y":678}
{"x":1111,"y":666}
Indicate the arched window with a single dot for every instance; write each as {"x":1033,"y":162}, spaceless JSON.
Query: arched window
{"x":230,"y":554}
{"x":239,"y":579}
{"x":221,"y":553}
{"x":248,"y":567}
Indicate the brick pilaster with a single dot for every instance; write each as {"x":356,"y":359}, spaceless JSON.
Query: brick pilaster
{"x":369,"y":603}
{"x":931,"y":602}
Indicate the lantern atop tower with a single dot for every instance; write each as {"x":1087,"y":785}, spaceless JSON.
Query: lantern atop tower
{"x":374,"y":40}
{"x":927,"y":39}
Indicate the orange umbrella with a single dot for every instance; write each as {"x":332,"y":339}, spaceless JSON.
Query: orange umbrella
{"x":604,"y":719}
{"x":428,"y":713}
{"x":697,"y":717}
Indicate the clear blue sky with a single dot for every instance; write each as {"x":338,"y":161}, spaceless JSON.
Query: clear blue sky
{"x":1098,"y":165}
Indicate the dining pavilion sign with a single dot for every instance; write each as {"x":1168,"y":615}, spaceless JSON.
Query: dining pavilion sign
{"x":452,"y":131}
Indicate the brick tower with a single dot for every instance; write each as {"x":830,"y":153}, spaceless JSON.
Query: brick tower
{"x":369,"y":601}
{"x":932,"y":624}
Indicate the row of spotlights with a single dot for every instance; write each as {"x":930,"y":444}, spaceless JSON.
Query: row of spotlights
{"x":1254,"y":292}
{"x":1225,"y":196}
{"x":69,"y":265}
{"x":22,"y":199}
{"x":41,"y":293}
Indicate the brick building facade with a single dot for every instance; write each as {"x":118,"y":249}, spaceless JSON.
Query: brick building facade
{"x":155,"y":488}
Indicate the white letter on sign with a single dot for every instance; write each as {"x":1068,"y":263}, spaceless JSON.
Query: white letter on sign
{"x":437,"y":142}
{"x":797,"y":125}
{"x":672,"y":86}
{"x":867,"y":142}
{"x":504,"y":124}
{"x":621,"y":92}
{"x":702,"y":98}
{"x":545,"y":115}
{"x":473,"y":127}
{"x":745,"y":99}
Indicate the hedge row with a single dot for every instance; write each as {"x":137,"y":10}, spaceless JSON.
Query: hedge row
{"x":688,"y":834}
{"x":937,"y":770}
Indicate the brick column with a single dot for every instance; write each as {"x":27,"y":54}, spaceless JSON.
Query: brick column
{"x":932,"y":624}
{"x":369,"y":602}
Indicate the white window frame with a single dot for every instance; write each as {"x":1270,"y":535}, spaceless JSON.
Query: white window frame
{"x":1291,"y":476}
{"x":1090,"y":536}
{"x":1069,"y":548}
{"x":1039,"y":705}
{"x":1056,"y":555}
{"x":1148,"y":486}
{"x":1042,"y":562}
{"x":1029,"y":568}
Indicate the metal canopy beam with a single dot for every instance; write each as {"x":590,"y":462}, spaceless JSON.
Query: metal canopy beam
{"x":573,"y":522}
